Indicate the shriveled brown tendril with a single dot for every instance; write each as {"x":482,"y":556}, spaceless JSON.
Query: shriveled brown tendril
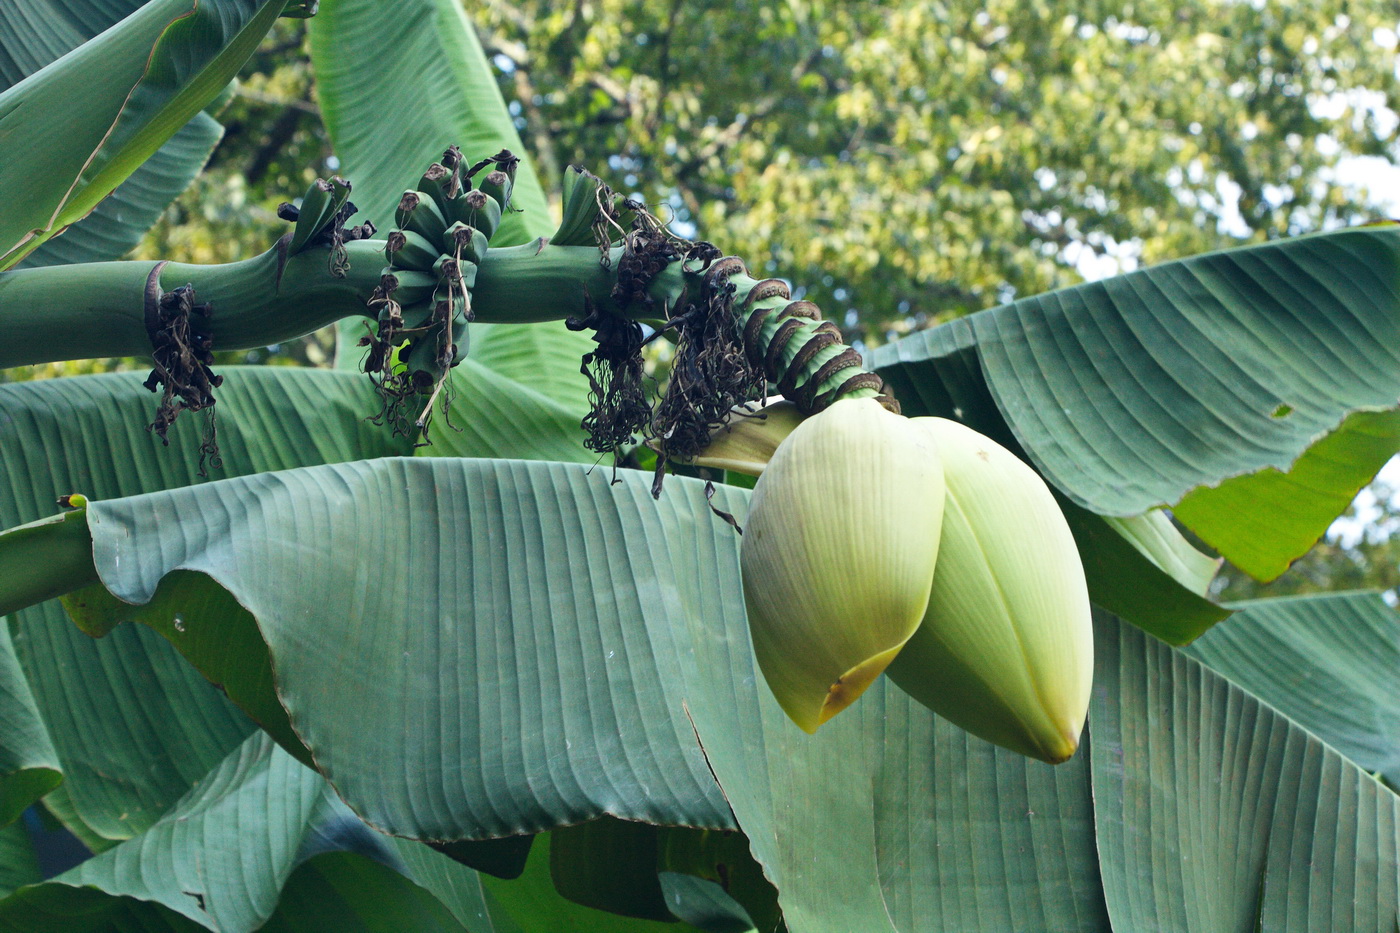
{"x":711,"y":374}
{"x":181,"y":356}
{"x":619,"y":410}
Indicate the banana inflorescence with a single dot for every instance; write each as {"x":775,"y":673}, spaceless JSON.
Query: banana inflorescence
{"x":423,"y":303}
{"x":876,"y":542}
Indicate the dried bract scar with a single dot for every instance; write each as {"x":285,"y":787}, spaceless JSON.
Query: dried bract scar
{"x":838,"y":554}
{"x":1006,"y":647}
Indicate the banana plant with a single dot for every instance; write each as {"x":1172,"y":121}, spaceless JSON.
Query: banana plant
{"x":385,"y":647}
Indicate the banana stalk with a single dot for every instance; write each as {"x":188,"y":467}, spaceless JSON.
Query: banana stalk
{"x":44,"y":559}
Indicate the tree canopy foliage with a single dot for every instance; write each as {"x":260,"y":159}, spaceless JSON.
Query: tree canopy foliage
{"x":920,"y":160}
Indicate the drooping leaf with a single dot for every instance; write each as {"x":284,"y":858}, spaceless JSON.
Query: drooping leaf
{"x":36,"y":32}
{"x":28,"y":764}
{"x":246,"y":821}
{"x":117,"y":224}
{"x":132,"y":725}
{"x":260,"y":840}
{"x":79,"y":126}
{"x":1214,"y":812}
{"x":33,"y":34}
{"x":938,"y":372}
{"x":89,"y":434}
{"x":1331,"y":663}
{"x":1266,"y":520}
{"x":452,"y":533}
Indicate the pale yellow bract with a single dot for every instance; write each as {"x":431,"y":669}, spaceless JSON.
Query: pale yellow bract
{"x":838,"y":554}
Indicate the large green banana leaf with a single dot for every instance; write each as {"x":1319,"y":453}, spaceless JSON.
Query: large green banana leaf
{"x":1329,"y":663}
{"x":76,"y":128}
{"x":1214,"y":812}
{"x":117,"y":224}
{"x":1154,"y":386}
{"x":430,"y":86}
{"x":35,"y":33}
{"x":28,"y":764}
{"x":109,"y":707}
{"x":887,"y":819}
{"x":261,"y":843}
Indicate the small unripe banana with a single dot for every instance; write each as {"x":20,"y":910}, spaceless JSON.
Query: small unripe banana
{"x":481,"y":211}
{"x":317,"y":209}
{"x":411,"y":286}
{"x":408,"y":250}
{"x":838,"y":554}
{"x":419,"y":213}
{"x":498,"y":185}
{"x":1006,"y":648}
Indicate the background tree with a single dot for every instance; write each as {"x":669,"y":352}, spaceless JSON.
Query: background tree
{"x":915,"y":161}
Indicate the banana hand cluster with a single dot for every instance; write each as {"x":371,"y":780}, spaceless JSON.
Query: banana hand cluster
{"x":919,"y":546}
{"x":423,"y":303}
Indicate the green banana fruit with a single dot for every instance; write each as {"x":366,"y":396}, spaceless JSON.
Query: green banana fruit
{"x":437,"y":182}
{"x":497,"y":185}
{"x":1006,"y":647}
{"x":481,"y":211}
{"x":472,"y":242}
{"x":411,"y":286}
{"x":409,"y":250}
{"x":420,"y":214}
{"x":838,"y":554}
{"x":317,"y":209}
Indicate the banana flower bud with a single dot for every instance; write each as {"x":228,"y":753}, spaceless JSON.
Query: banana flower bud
{"x":838,"y":554}
{"x":1006,"y":646}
